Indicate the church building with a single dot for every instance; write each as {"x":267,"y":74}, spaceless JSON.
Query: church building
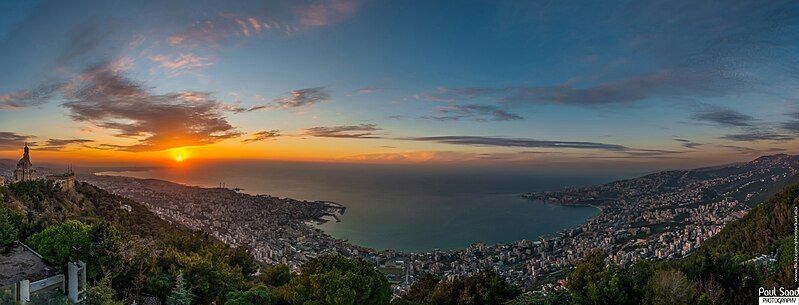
{"x":24,"y":171}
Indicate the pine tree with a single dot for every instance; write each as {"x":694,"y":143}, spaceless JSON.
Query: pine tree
{"x":8,"y":231}
{"x":181,"y":295}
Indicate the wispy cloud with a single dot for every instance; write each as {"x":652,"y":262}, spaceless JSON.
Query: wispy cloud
{"x":725,"y":117}
{"x":480,"y":113}
{"x":622,"y":91}
{"x":414,"y":157}
{"x":221,"y":29}
{"x":295,"y":99}
{"x":740,"y":149}
{"x":706,"y":51}
{"x":758,"y":135}
{"x":181,"y":63}
{"x":83,"y":39}
{"x":262,"y":136}
{"x":12,"y":141}
{"x":792,"y":125}
{"x":304,"y":97}
{"x":750,"y":130}
{"x":688,"y":143}
{"x":365,"y":90}
{"x":516,"y":142}
{"x":28,"y":98}
{"x":108,"y":100}
{"x":550,"y":144}
{"x":62,"y":144}
{"x":751,"y":151}
{"x":288,"y":18}
{"x":362,"y":131}
{"x":324,"y":12}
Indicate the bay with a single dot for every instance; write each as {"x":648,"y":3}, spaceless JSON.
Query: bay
{"x":405,"y":207}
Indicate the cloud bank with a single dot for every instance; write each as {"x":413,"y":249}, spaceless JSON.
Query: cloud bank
{"x":479,"y":113}
{"x":105,"y":98}
{"x":263,"y":135}
{"x":362,"y":131}
{"x":294,"y":99}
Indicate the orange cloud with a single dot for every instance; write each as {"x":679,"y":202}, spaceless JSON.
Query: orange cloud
{"x":181,"y":63}
{"x":110,"y":101}
{"x":325,"y":12}
{"x":220,"y":29}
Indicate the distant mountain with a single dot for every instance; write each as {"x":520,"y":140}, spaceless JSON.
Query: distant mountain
{"x":748,"y":182}
{"x":729,"y":268}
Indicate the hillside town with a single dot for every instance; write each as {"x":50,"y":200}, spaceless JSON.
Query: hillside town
{"x":663,"y":215}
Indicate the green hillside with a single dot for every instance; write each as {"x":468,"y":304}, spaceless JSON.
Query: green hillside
{"x":721,"y":271}
{"x":131,"y":249}
{"x":766,"y":229}
{"x":130,"y":252}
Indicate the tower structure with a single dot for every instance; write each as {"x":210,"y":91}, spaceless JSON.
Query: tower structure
{"x":24,"y":171}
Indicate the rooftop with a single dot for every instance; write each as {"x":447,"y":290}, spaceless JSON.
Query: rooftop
{"x":21,"y":263}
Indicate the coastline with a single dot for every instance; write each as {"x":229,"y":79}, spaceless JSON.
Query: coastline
{"x":531,"y":197}
{"x":328,"y":223}
{"x":335,"y":210}
{"x":227,"y":215}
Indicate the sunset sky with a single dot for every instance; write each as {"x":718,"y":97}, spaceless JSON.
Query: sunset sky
{"x":667,"y":82}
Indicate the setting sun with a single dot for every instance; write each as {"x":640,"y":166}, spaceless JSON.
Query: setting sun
{"x":179,"y":158}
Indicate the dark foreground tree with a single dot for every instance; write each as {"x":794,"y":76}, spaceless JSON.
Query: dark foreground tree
{"x":335,"y":280}
{"x":62,"y":243}
{"x":420,"y":291}
{"x":276,"y":276}
{"x":484,"y":288}
{"x":8,"y":226}
{"x":671,"y":287}
{"x":558,"y":298}
{"x":181,"y":294}
{"x":258,"y":295}
{"x":101,"y":294}
{"x":597,"y":283}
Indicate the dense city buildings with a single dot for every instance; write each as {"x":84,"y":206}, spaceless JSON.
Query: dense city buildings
{"x":662,"y":215}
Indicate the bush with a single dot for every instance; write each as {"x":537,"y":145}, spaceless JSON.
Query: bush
{"x":551,"y":299}
{"x":258,"y":295}
{"x":671,"y":287}
{"x":420,"y":291}
{"x":484,"y":288}
{"x":341,"y":281}
{"x":276,"y":276}
{"x":597,"y":283}
{"x":101,"y":294}
{"x":61,"y":243}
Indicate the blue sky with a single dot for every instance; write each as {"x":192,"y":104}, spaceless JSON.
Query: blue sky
{"x":671,"y":82}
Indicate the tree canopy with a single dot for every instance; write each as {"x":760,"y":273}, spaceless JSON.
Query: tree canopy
{"x":9,"y":221}
{"x":335,"y":280}
{"x":62,"y":243}
{"x":483,"y":288}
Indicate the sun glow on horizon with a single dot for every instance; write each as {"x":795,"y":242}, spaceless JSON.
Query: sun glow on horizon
{"x":179,"y":155}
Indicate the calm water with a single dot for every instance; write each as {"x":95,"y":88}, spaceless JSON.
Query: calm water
{"x":408,"y":208}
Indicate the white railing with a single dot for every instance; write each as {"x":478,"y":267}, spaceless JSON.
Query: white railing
{"x":48,"y":283}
